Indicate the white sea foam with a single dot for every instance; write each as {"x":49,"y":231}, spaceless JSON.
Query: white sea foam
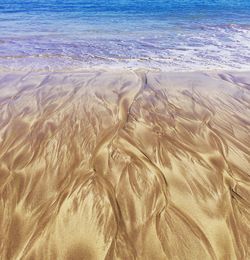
{"x":223,"y":49}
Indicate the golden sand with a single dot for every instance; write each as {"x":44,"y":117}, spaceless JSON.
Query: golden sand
{"x":124,"y":165}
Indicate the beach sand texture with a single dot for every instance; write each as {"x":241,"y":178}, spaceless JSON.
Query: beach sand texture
{"x":124,"y":165}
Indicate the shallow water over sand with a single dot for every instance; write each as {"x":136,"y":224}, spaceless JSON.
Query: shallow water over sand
{"x":124,"y":165}
{"x":170,"y":35}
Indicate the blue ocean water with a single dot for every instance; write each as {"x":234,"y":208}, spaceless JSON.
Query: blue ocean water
{"x":171,"y":35}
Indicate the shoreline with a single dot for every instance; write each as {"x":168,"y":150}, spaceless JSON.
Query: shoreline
{"x":125,"y":69}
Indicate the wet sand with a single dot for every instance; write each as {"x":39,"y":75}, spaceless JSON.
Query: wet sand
{"x":124,"y":165}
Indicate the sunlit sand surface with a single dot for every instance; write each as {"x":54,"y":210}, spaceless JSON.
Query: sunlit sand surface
{"x":124,"y":165}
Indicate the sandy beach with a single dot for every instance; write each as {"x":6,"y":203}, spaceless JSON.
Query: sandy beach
{"x":124,"y":165}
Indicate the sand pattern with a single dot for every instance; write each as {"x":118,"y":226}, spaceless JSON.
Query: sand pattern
{"x":124,"y":165}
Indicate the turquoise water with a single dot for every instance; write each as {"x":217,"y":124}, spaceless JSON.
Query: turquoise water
{"x":171,"y":35}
